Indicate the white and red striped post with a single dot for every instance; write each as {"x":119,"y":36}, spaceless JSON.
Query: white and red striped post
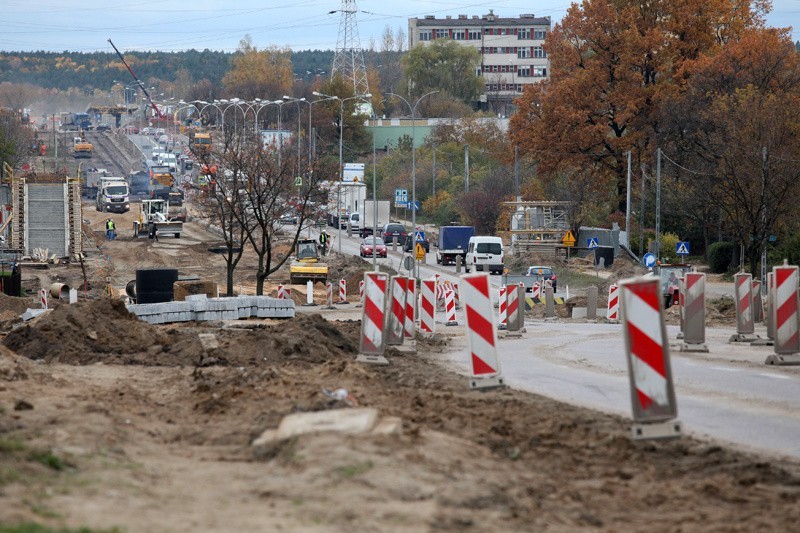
{"x":536,"y":292}
{"x":743,"y":293}
{"x":786,"y":317}
{"x":681,"y":306}
{"x":43,"y":298}
{"x":481,"y":332}
{"x":693,"y":298}
{"x":329,"y":295}
{"x":450,"y":307}
{"x":360,"y":293}
{"x":758,"y":304}
{"x":371,"y":346}
{"x":427,"y":307}
{"x":771,"y":305}
{"x":411,"y":298}
{"x":397,"y":311}
{"x":515,"y":312}
{"x":502,"y":306}
{"x":457,"y":295}
{"x":342,"y":292}
{"x":613,"y":304}
{"x":284,"y":293}
{"x":649,"y":370}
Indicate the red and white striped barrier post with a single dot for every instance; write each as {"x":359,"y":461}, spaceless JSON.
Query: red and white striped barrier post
{"x":360,"y":293}
{"x":342,"y":292}
{"x":758,"y":304}
{"x":371,"y":346}
{"x":681,"y":307}
{"x":613,"y":304}
{"x":411,"y":298}
{"x":693,"y":297}
{"x":450,"y":308}
{"x":515,"y":312}
{"x":771,"y":305}
{"x":457,"y":295}
{"x":284,"y":293}
{"x":786,"y":317}
{"x":427,"y":308}
{"x":743,"y":293}
{"x":329,"y":295}
{"x":649,"y":370}
{"x":481,"y":332}
{"x":397,"y":311}
{"x":502,"y":305}
{"x":43,"y":298}
{"x":536,"y":292}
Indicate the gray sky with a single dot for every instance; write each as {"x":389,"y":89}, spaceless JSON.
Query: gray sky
{"x":85,"y":25}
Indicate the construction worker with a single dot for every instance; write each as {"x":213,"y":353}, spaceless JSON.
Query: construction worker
{"x":111,"y":229}
{"x":323,"y":241}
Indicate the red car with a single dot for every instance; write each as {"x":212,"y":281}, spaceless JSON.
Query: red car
{"x":369,"y":243}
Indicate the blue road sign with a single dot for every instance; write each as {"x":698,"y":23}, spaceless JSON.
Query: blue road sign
{"x":419,"y":236}
{"x":649,"y":260}
{"x":682,"y":248}
{"x":592,"y":243}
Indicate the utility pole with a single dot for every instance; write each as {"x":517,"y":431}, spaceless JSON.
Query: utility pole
{"x":658,"y":203}
{"x":466,"y":168}
{"x":516,"y":172}
{"x":641,"y":215}
{"x":764,"y":218}
{"x":628,"y":202}
{"x":434,"y":170}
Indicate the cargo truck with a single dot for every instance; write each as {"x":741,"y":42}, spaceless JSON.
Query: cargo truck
{"x":113,"y":195}
{"x":453,"y":241}
{"x":363,"y":220}
{"x":344,"y":198}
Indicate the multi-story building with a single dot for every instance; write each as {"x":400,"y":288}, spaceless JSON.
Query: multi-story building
{"x":512,"y":55}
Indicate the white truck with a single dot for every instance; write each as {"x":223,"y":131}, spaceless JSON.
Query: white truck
{"x":363,"y":220}
{"x":344,"y":198}
{"x":113,"y":195}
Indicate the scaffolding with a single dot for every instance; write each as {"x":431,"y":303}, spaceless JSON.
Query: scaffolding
{"x":538,"y":224}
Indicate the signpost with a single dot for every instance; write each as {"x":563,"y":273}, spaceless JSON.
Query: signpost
{"x":420,"y":252}
{"x":649,"y":260}
{"x":592,"y":243}
{"x":568,"y":241}
{"x":682,"y":248}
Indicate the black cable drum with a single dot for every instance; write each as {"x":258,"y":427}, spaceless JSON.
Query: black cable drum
{"x":155,"y":285}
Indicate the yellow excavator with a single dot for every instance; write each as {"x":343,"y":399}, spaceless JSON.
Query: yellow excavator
{"x":82,"y":148}
{"x":306,"y":265}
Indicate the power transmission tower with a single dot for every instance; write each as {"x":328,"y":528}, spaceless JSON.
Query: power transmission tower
{"x":348,"y":61}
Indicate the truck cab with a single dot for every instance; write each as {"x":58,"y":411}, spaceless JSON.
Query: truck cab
{"x":113,"y":195}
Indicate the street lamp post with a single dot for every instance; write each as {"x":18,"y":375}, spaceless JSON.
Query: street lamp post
{"x":413,"y":110}
{"x":297,"y":101}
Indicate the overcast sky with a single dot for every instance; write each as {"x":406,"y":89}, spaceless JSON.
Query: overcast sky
{"x":85,"y":25}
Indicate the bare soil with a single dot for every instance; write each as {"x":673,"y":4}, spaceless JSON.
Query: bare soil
{"x":109,"y":422}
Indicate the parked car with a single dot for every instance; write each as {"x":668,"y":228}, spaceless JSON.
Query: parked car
{"x":373,"y":242}
{"x":159,"y":131}
{"x":147,"y":131}
{"x":392,"y":230}
{"x":163,"y":139}
{"x":410,"y":243}
{"x":485,"y":253}
{"x":289,"y":218}
{"x":543,"y":273}
{"x":103,"y":127}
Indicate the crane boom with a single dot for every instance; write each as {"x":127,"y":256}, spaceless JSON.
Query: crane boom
{"x":141,"y":85}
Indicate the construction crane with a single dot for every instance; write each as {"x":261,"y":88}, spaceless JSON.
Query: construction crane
{"x":141,"y":85}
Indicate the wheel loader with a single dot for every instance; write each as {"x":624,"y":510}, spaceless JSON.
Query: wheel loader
{"x":306,"y":265}
{"x":154,"y":219}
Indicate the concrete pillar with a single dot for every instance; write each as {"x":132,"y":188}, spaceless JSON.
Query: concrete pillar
{"x":591,"y":303}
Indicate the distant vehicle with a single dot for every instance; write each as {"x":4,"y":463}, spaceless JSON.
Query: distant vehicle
{"x":140,"y":182}
{"x":411,"y":244}
{"x":113,"y":195}
{"x":288,"y":218}
{"x":453,"y":241}
{"x":82,"y":148}
{"x":485,"y":253}
{"x":370,"y":243}
{"x":147,"y":131}
{"x":159,"y":131}
{"x":163,"y":139}
{"x":669,"y":274}
{"x":103,"y":127}
{"x":362,"y":221}
{"x":392,"y":230}
{"x":200,"y":142}
{"x":543,"y":273}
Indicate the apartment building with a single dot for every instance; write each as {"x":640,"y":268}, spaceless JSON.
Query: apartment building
{"x":512,"y":55}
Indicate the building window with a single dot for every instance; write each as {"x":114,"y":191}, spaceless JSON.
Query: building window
{"x":524,"y":72}
{"x":459,"y":35}
{"x":523,"y":53}
{"x":442,"y":34}
{"x":425,"y":35}
{"x":474,"y":35}
{"x":539,"y":72}
{"x":539,"y":34}
{"x":538,"y":52}
{"x":524,"y":33}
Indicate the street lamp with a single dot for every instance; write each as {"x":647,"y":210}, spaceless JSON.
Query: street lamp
{"x":297,"y":101}
{"x":413,"y":110}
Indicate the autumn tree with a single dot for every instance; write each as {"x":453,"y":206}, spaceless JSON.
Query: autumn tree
{"x":255,"y":73}
{"x":444,"y":66}
{"x":15,"y":139}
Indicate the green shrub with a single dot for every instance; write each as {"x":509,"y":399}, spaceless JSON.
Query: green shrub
{"x":720,"y":255}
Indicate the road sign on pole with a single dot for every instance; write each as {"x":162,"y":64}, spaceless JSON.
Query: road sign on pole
{"x":649,"y":260}
{"x":682,"y":248}
{"x":592,"y":243}
{"x":569,"y":239}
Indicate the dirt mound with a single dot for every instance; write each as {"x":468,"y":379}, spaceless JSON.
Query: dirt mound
{"x":17,"y":305}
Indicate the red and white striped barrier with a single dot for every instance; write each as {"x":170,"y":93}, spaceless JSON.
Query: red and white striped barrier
{"x":361,"y":292}
{"x":450,"y":308}
{"x":342,"y":291}
{"x":284,"y":293}
{"x":329,"y":295}
{"x":536,"y":291}
{"x":693,"y":298}
{"x":771,"y":305}
{"x":613,"y":304}
{"x":786,"y":316}
{"x":427,"y":307}
{"x":411,"y":298}
{"x":743,"y":294}
{"x":649,"y":371}
{"x":515,"y":312}
{"x":371,"y":346}
{"x":681,"y":306}
{"x":481,"y":332}
{"x":397,"y":310}
{"x":457,"y":295}
{"x":43,"y":298}
{"x":758,"y":304}
{"x":502,"y":305}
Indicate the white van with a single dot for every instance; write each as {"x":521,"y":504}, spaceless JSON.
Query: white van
{"x":485,"y":254}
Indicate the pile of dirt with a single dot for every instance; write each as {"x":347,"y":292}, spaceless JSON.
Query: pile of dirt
{"x":16,"y":304}
{"x":721,"y":310}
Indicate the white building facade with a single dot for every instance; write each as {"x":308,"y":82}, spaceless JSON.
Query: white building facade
{"x":511,"y":49}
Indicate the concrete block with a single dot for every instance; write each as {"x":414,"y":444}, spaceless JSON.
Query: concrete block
{"x":348,"y":421}
{"x":388,"y":425}
{"x":195,"y":297}
{"x":579,"y":312}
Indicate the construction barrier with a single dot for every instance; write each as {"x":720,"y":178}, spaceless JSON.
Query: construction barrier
{"x":43,"y":298}
{"x":309,"y":293}
{"x":372,"y":344}
{"x":284,"y":293}
{"x":758,"y":304}
{"x":427,"y":307}
{"x":693,"y":296}
{"x":411,"y":298}
{"x":786,"y":317}
{"x":549,"y":304}
{"x":681,"y":306}
{"x":329,"y":295}
{"x":591,"y":303}
{"x":361,"y":292}
{"x":397,"y":311}
{"x":613,"y":304}
{"x":457,"y":295}
{"x":450,"y":308}
{"x":649,"y":370}
{"x":771,"y":305}
{"x":515,"y":314}
{"x":502,"y":305}
{"x":481,"y":332}
{"x":745,"y":327}
{"x":342,"y":292}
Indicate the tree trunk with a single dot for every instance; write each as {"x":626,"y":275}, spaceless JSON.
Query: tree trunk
{"x":260,"y":277}
{"x":229,"y":280}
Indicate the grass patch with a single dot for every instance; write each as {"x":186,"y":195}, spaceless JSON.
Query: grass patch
{"x":349,"y":471}
{"x":48,"y":459}
{"x":576,"y":279}
{"x":11,"y":445}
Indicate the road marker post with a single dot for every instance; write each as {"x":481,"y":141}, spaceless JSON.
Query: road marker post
{"x":481,"y":332}
{"x":411,"y":298}
{"x":397,"y":311}
{"x":758,"y":303}
{"x":681,"y":308}
{"x":613,"y":304}
{"x":457,"y":295}
{"x":771,"y":305}
{"x":549,"y":302}
{"x":372,"y":345}
{"x":745,"y":327}
{"x":427,"y":308}
{"x":649,"y":371}
{"x":536,"y":292}
{"x":342,"y":292}
{"x":693,"y":295}
{"x":515,"y":313}
{"x":329,"y":295}
{"x":309,"y":293}
{"x":450,"y":308}
{"x":502,"y":305}
{"x":786,"y":316}
{"x":43,"y":298}
{"x":360,"y":293}
{"x":591,"y":303}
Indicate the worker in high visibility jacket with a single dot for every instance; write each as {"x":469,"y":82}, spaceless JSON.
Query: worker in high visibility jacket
{"x":111,"y":229}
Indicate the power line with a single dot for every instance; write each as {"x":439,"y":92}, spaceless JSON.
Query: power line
{"x":683,"y":167}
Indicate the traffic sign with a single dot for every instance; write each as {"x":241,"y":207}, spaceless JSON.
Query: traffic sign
{"x":298,"y":181}
{"x":682,"y":248}
{"x":592,"y":243}
{"x":400,"y":196}
{"x":420,"y":252}
{"x":419,"y":236}
{"x":404,"y":205}
{"x":649,"y":260}
{"x":569,"y":239}
{"x":408,"y":262}
{"x":414,"y":206}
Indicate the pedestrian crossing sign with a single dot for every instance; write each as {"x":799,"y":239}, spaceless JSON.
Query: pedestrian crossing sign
{"x":592,"y":243}
{"x":682,"y":248}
